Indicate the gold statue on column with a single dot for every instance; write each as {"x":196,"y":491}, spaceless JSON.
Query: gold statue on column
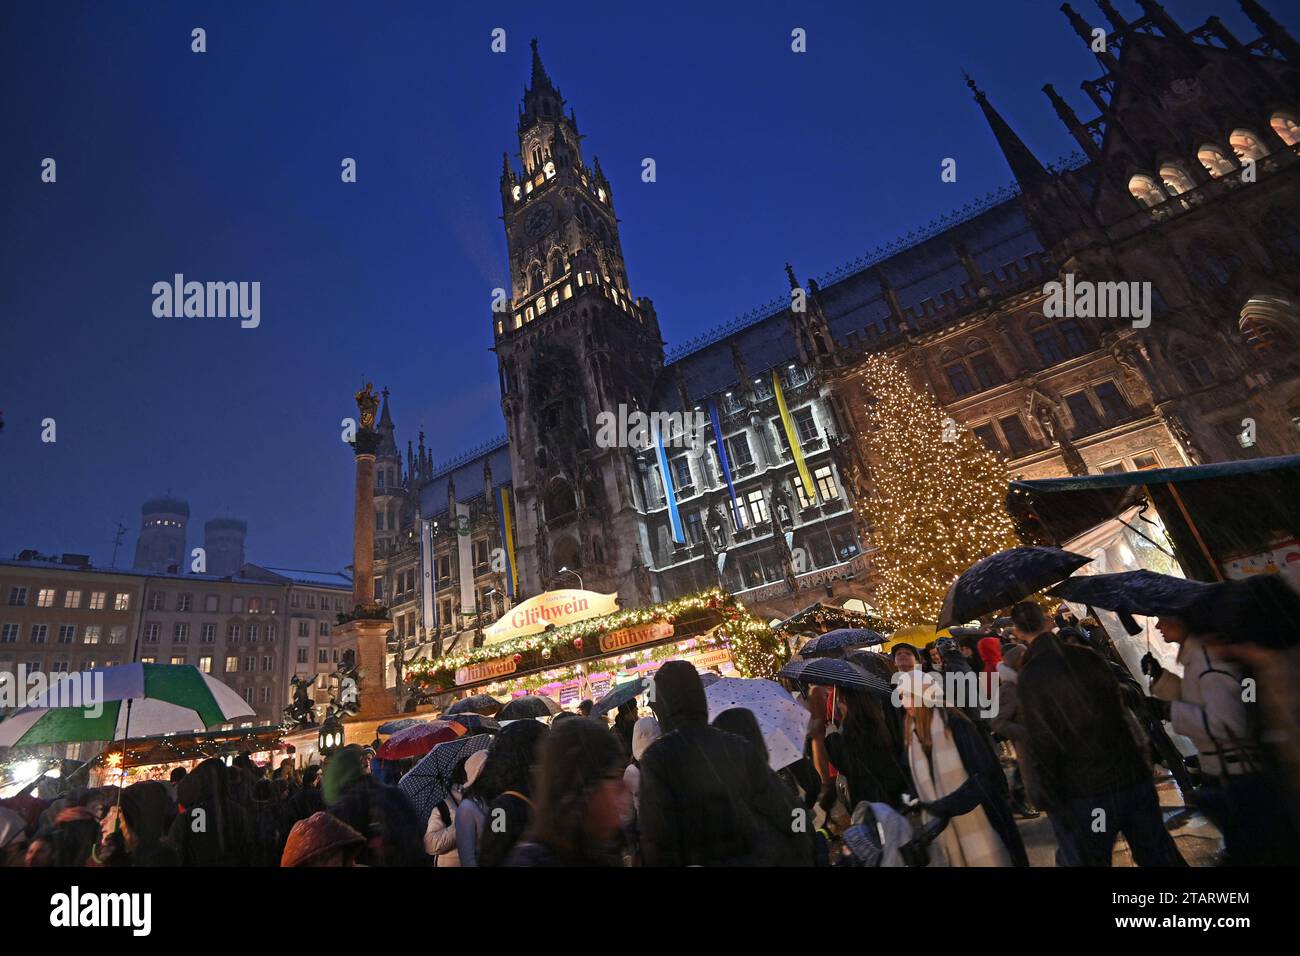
{"x":367,"y":405}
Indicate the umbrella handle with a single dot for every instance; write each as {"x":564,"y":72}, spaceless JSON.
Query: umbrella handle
{"x":126,"y":727}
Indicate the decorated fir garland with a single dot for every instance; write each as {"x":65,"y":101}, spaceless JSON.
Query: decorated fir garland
{"x":755,"y":648}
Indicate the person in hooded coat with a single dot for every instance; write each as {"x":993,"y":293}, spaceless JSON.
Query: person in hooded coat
{"x":223,"y":838}
{"x":707,"y":796}
{"x":133,"y":833}
{"x":506,"y":781}
{"x":381,"y":814}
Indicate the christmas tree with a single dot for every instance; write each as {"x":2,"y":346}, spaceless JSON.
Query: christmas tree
{"x":937,"y":501}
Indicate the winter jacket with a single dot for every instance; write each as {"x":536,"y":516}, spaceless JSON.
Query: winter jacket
{"x":985,"y":786}
{"x":505,"y":820}
{"x":469,"y":826}
{"x":1010,"y":723}
{"x":1207,"y":709}
{"x":1080,"y":735}
{"x":440,"y":834}
{"x":708,"y":797}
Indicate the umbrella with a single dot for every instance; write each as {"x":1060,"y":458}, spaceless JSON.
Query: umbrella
{"x":429,"y":781}
{"x":418,"y":740}
{"x":832,"y":672}
{"x":1136,"y":592}
{"x":708,"y":678}
{"x":621,"y":694}
{"x":393,"y":726}
{"x":162,"y":698}
{"x":530,"y":705}
{"x":476,"y":723}
{"x":1005,"y":578}
{"x":478,"y":703}
{"x":834,"y":642}
{"x":781,"y":718}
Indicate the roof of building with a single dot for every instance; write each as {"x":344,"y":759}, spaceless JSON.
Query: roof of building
{"x":166,"y":505}
{"x":466,"y":473}
{"x":250,"y":574}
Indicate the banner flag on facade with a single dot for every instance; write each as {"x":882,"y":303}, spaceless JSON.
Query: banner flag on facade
{"x":792,"y":436}
{"x":465,"y":559}
{"x":429,"y":606}
{"x":737,"y":512}
{"x":674,"y":517}
{"x":508,"y":540}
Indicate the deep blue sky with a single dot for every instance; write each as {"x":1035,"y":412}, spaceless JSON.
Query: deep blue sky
{"x":225,"y":166}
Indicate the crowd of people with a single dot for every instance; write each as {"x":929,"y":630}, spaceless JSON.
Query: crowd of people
{"x":906,"y":779}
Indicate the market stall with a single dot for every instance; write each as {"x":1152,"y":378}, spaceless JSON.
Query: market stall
{"x":586,"y":658}
{"x":154,"y":758}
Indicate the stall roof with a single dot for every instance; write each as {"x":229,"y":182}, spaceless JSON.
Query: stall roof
{"x":1213,"y":513}
{"x":170,"y":748}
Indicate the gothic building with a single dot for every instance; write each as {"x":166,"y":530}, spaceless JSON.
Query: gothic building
{"x":1186,"y":179}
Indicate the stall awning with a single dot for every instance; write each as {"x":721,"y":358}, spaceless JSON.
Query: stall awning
{"x":1212,"y":513}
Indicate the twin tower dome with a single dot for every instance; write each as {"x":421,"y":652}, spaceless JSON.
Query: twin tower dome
{"x":162,"y":546}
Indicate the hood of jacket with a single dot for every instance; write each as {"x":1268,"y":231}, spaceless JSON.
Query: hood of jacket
{"x":678,"y":699}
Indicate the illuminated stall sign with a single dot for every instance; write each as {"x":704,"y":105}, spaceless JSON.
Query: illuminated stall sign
{"x":566,"y":606}
{"x":485,"y":671}
{"x":632,"y":636}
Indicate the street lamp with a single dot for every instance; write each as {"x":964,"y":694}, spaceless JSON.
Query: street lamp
{"x":576,"y":575}
{"x":330,"y":737}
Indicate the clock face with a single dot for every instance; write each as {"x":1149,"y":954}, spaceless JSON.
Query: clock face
{"x":539,"y":220}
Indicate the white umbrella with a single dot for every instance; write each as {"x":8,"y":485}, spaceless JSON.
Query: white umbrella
{"x":781,"y":718}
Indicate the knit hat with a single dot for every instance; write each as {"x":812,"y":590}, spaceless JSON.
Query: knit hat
{"x":990,"y":649}
{"x":644,"y":732}
{"x":474,"y":766}
{"x":344,"y":768}
{"x":320,"y":833}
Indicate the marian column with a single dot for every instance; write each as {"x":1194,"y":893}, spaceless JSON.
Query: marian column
{"x":366,"y":633}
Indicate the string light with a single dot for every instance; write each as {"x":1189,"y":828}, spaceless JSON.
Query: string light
{"x":938,"y":501}
{"x":755,"y":648}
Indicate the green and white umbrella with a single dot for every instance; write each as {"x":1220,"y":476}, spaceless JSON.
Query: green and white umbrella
{"x":92,"y":705}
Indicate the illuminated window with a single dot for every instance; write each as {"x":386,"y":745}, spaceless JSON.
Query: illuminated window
{"x":1176,"y":179}
{"x":568,"y":291}
{"x":1286,"y":127}
{"x":205,"y":664}
{"x":117,"y":634}
{"x":1247,"y":145}
{"x":121,"y":602}
{"x":45,"y":597}
{"x":72,"y":599}
{"x":1146,"y":190}
{"x":92,"y":634}
{"x":1215,"y":160}
{"x":97,"y":600}
{"x":541,"y":306}
{"x":178,"y":659}
{"x":232,"y":664}
{"x":516,"y":192}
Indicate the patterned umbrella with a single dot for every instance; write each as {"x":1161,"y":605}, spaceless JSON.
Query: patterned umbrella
{"x":429,"y":781}
{"x":1005,"y":578}
{"x":92,"y":705}
{"x":836,"y":642}
{"x":476,"y":723}
{"x":418,"y":740}
{"x":781,"y":718}
{"x":393,"y":726}
{"x":484,"y":704}
{"x":832,"y":672}
{"x":530,"y":705}
{"x":621,"y":694}
{"x":1137,"y":592}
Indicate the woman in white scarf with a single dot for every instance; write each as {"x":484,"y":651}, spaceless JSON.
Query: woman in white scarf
{"x":939,"y":771}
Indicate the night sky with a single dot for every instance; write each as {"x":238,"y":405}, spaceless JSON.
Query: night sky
{"x":225,"y":166}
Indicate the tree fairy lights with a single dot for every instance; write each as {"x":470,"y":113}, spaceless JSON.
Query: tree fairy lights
{"x":937,"y":502}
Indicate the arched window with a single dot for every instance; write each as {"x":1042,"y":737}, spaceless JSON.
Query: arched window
{"x":557,"y":264}
{"x":1215,"y":160}
{"x":535,"y":281}
{"x":1247,"y":145}
{"x":984,"y":364}
{"x":559,"y":500}
{"x":537,"y":156}
{"x":1147,"y":190}
{"x":1286,"y":126}
{"x":1176,"y":179}
{"x":1270,"y":324}
{"x":958,"y":375}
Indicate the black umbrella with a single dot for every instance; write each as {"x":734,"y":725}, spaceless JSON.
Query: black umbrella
{"x":429,"y":781}
{"x":478,"y":704}
{"x":530,"y":705}
{"x":1137,"y":592}
{"x":833,"y":672}
{"x":837,"y":641}
{"x":476,"y":723}
{"x":621,"y":694}
{"x":1005,"y":578}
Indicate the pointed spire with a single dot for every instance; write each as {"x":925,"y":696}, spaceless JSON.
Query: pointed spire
{"x":1271,"y":30}
{"x":385,"y":419}
{"x":539,"y":81}
{"x":1024,"y":164}
{"x":789,"y":274}
{"x":1084,"y":29}
{"x":1071,"y":121}
{"x":1117,"y":21}
{"x":506,"y":172}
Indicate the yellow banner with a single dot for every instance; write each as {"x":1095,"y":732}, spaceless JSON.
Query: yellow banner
{"x":507,"y":522}
{"x":561,"y":607}
{"x":809,"y":490}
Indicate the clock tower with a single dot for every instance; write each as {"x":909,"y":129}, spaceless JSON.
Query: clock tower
{"x":571,"y":343}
